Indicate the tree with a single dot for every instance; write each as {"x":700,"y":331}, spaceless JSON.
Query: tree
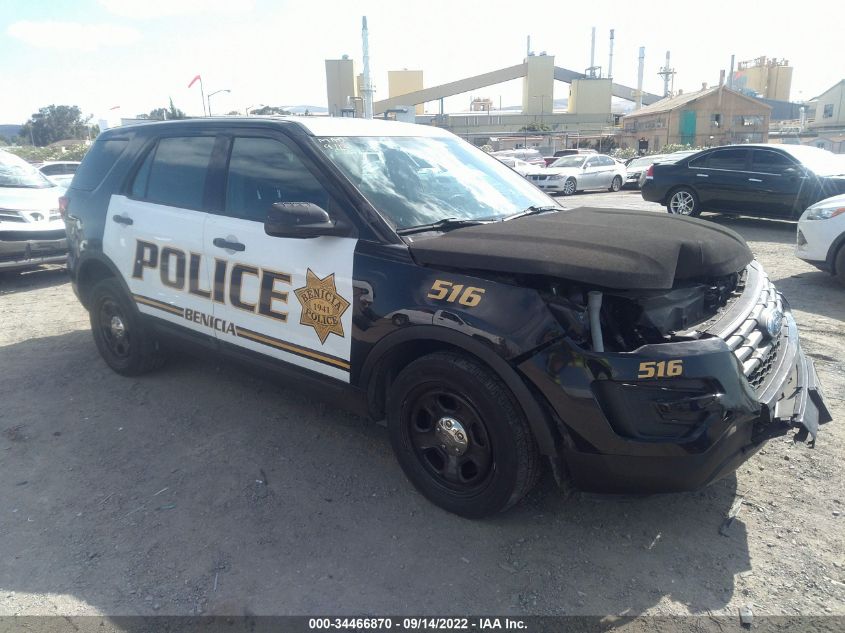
{"x":54,"y":123}
{"x":166,"y":114}
{"x":268,"y":110}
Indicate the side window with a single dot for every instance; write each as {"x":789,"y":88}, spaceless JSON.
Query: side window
{"x":769,"y":162}
{"x":174,"y":172}
{"x":699,"y":162}
{"x":264,"y":171}
{"x":731,"y":159}
{"x":590,"y":162}
{"x":607,"y":161}
{"x":52,"y":170}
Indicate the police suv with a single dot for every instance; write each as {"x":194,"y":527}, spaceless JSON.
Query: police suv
{"x":416,"y":279}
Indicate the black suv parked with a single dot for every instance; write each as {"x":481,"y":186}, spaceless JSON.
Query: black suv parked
{"x":414,"y":278}
{"x":762,"y":180}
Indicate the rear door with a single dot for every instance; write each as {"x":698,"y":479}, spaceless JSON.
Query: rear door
{"x":287,"y":298}
{"x":720,"y":178}
{"x":154,"y":231}
{"x":779,"y":181}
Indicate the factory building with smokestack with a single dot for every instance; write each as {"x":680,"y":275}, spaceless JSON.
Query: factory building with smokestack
{"x":708,"y":117}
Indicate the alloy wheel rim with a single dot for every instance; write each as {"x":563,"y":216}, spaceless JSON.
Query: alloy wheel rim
{"x":682,"y":203}
{"x":569,"y":187}
{"x":114,"y":329}
{"x":449,"y":439}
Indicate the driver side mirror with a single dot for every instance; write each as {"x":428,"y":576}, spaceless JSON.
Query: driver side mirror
{"x":301,"y":220}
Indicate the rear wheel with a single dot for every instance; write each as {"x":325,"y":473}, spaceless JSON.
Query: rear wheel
{"x":460,"y":436}
{"x":123,"y":340}
{"x":616,"y":184}
{"x":683,"y":201}
{"x":569,"y":187}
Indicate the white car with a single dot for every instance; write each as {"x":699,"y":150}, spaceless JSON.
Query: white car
{"x":32,"y":231}
{"x":569,"y":174}
{"x":519,"y":166}
{"x":59,"y":171}
{"x":821,"y":236}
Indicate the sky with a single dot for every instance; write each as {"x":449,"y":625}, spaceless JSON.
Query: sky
{"x":134,"y":54}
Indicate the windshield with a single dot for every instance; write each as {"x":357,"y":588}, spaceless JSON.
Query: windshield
{"x":16,"y":172}
{"x":569,"y":161}
{"x":820,"y":161}
{"x":415,"y":181}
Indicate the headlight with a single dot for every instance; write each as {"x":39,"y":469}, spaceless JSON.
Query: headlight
{"x":822,"y":212}
{"x":556,"y":177}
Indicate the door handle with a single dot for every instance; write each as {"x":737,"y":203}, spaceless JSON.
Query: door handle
{"x":754,"y":180}
{"x":703,"y":175}
{"x":122,"y":219}
{"x":222,"y":242}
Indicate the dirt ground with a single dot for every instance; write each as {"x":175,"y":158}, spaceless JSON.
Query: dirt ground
{"x":207,"y":489}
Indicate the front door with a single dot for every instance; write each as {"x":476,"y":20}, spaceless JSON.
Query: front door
{"x":287,"y":298}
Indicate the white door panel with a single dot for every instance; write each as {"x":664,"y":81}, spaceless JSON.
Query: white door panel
{"x":160,"y":256}
{"x":286,"y":298}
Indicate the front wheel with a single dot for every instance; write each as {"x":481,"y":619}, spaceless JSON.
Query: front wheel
{"x":839,"y":265}
{"x":569,"y":187}
{"x":123,"y":340}
{"x":460,"y":436}
{"x":683,"y":201}
{"x":616,"y":184}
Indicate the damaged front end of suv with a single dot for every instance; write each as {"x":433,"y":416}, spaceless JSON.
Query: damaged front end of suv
{"x":676,"y":357}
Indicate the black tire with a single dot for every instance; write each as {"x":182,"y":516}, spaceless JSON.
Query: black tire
{"x":683,"y":201}
{"x":123,"y":340}
{"x":453,"y":396}
{"x":839,"y":265}
{"x":569,"y":187}
{"x":616,"y":184}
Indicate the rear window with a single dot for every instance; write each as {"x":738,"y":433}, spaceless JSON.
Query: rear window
{"x":174,"y":172}
{"x":98,"y":162}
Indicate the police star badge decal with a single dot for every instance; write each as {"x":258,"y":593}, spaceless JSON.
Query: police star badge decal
{"x":322,"y":307}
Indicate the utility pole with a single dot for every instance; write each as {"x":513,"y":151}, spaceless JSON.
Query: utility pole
{"x":667,"y":72}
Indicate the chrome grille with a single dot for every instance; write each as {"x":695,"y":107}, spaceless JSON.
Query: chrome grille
{"x":751,"y":344}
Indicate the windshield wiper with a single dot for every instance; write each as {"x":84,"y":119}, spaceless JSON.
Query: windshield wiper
{"x":534,"y":210}
{"x":445,"y":224}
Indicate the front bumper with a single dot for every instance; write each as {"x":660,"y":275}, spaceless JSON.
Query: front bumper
{"x":20,"y":250}
{"x":624,"y":434}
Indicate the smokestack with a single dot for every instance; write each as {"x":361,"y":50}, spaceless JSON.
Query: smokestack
{"x":721,"y":77}
{"x":731,"y":76}
{"x":639,"y":102}
{"x":610,"y":61}
{"x":528,"y":47}
{"x":666,"y":77}
{"x":704,"y":85}
{"x":593,"y":54}
{"x":368,"y":86}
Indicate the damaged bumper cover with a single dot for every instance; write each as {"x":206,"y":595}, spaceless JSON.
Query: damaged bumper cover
{"x":622,"y":433}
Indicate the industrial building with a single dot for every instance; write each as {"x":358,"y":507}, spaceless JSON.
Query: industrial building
{"x":588,"y":111}
{"x":710,"y":116}
{"x":764,"y":77}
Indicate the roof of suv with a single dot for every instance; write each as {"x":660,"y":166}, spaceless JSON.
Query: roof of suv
{"x":312,"y":125}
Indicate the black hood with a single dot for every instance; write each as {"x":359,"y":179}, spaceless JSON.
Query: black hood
{"x":611,"y":248}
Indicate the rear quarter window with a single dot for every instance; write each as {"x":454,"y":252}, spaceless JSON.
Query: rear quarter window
{"x":98,"y":162}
